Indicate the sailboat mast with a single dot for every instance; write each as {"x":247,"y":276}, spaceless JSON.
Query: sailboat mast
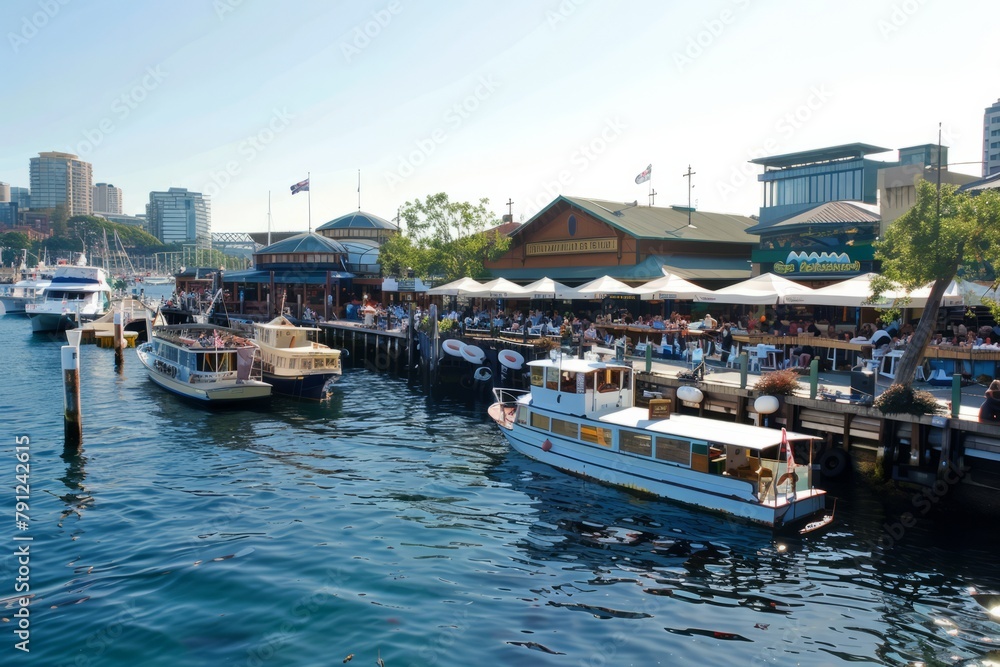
{"x":268,"y":217}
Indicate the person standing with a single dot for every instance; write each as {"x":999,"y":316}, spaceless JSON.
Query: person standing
{"x":989,"y":411}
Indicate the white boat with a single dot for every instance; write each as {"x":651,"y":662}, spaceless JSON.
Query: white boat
{"x":15,"y":297}
{"x":158,"y":280}
{"x":578,"y":416}
{"x":133,"y":314}
{"x":203,"y":362}
{"x":293,"y":362}
{"x":77,"y":294}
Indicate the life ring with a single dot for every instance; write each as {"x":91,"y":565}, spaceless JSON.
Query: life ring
{"x":453,"y":346}
{"x":511,"y":359}
{"x":473,"y":354}
{"x":788,"y":476}
{"x":483,"y":374}
{"x":833,"y":463}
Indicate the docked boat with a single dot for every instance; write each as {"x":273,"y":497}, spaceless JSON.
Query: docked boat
{"x":293,"y":362}
{"x":578,"y":416}
{"x":15,"y":298}
{"x":203,"y":362}
{"x":77,"y":294}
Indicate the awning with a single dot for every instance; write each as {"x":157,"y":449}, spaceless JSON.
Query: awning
{"x":284,"y":277}
{"x":689,"y":267}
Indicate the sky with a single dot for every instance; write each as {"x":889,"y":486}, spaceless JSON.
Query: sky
{"x":510,"y":101}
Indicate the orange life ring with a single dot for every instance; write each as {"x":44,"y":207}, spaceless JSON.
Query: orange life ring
{"x":788,"y":476}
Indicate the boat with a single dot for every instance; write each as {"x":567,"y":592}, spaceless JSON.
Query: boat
{"x":203,"y":362}
{"x":133,"y":313}
{"x":158,"y":280}
{"x":578,"y":416}
{"x":293,"y":362}
{"x":15,"y":297}
{"x":77,"y":294}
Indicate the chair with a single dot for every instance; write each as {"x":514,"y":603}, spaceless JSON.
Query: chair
{"x":759,"y":353}
{"x":697,"y":356}
{"x":732,"y":360}
{"x":764,"y":359}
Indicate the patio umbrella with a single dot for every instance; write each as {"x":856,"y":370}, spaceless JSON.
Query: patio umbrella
{"x":767,"y":288}
{"x":603,"y":286}
{"x":460,"y":287}
{"x":499,"y":288}
{"x":545,"y":288}
{"x":853,"y":292}
{"x":670,"y":286}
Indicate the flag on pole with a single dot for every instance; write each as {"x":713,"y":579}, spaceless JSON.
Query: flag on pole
{"x":790,"y":457}
{"x":644,"y":176}
{"x":300,"y":186}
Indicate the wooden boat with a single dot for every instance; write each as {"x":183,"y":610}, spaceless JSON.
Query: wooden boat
{"x":293,"y":362}
{"x":203,"y":362}
{"x":578,"y":416}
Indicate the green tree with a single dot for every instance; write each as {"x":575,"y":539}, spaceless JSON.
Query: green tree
{"x":444,"y":239}
{"x":16,"y":241}
{"x":57,"y":218}
{"x":943,"y":231}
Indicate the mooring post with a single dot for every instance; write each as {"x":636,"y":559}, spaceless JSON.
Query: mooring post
{"x":744,"y":360}
{"x":72,"y":416}
{"x":813,"y":378}
{"x":649,"y":356}
{"x":119,"y":342}
{"x":956,"y":394}
{"x":411,"y":332}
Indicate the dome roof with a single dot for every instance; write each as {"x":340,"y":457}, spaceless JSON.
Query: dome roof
{"x":361,"y":253}
{"x":308,"y":242}
{"x":357,"y":220}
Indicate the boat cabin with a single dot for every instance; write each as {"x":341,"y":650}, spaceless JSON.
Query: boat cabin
{"x":580,"y":386}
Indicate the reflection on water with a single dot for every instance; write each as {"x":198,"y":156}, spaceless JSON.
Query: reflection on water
{"x":387,"y":523}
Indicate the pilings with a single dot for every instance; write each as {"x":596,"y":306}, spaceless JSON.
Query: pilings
{"x":72,"y":414}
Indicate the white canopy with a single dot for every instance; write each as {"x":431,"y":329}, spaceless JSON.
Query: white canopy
{"x":499,"y":288}
{"x":853,"y":292}
{"x":671,"y":286}
{"x":545,"y":288}
{"x":460,"y":287}
{"x":600,"y":287}
{"x":767,"y":288}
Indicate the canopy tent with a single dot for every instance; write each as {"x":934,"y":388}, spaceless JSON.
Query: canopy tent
{"x":545,"y":288}
{"x":958,"y":293}
{"x":460,"y":287}
{"x":670,"y":286}
{"x":600,"y":287}
{"x":499,"y":288}
{"x":767,"y":288}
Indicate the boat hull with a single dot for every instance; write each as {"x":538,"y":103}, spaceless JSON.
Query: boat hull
{"x":13,"y":305}
{"x":313,"y":387}
{"x":729,"y":496}
{"x":42,"y":322}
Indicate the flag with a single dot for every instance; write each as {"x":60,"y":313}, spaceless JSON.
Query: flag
{"x":300,"y":186}
{"x":790,"y":460}
{"x":644,"y":176}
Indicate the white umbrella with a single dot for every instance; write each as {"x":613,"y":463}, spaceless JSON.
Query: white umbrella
{"x":603,"y":286}
{"x":460,"y":287}
{"x":499,"y":288}
{"x":545,"y":288}
{"x":853,"y":292}
{"x":670,"y":286}
{"x":766,"y":288}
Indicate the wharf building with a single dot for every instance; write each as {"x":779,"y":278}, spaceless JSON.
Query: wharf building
{"x":180,"y":216}
{"x":61,"y":179}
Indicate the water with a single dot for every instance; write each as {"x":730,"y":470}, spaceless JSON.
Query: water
{"x":386,"y":523}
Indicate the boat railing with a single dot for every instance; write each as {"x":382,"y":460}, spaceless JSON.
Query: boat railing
{"x":778,"y":481}
{"x":196,"y":377}
{"x":507,"y":395}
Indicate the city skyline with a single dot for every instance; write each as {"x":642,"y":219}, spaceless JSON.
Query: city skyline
{"x":524,"y":102}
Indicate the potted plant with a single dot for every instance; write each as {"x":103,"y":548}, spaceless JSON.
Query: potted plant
{"x":905,"y":400}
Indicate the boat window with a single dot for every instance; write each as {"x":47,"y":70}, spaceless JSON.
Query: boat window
{"x":539,"y":421}
{"x":292,"y":363}
{"x":563,"y":427}
{"x":595,"y":434}
{"x":537,"y":376}
{"x":636,"y":443}
{"x":522,"y":415}
{"x":567,"y":382}
{"x":552,"y":378}
{"x":673,"y":450}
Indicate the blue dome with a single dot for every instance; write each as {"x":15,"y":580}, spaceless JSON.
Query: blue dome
{"x":357,"y":220}
{"x":308,"y":242}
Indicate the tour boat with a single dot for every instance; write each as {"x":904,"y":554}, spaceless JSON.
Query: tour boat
{"x":203,"y":362}
{"x":293,"y":362}
{"x":15,"y":297}
{"x":77,"y":294}
{"x":578,"y":416}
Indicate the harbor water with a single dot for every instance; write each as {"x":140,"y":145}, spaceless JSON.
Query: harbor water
{"x":385,"y":523}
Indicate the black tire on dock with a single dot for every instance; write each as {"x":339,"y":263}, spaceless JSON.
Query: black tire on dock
{"x":833,"y":463}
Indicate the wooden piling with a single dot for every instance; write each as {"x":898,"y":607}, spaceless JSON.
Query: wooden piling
{"x":72,"y":416}
{"x":119,"y":342}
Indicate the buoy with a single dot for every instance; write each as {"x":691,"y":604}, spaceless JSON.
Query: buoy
{"x":690,"y":394}
{"x":473,"y":354}
{"x":453,"y":346}
{"x":511,"y":359}
{"x":547,"y":445}
{"x":483,"y":374}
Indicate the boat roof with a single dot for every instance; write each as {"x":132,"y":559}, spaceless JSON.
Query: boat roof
{"x":575,"y":365}
{"x":282,"y":322}
{"x":701,"y":428}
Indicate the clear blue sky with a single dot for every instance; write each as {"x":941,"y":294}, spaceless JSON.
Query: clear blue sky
{"x":521,"y":100}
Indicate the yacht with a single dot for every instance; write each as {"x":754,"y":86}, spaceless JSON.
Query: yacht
{"x":15,"y":297}
{"x":77,"y":294}
{"x":578,"y":416}
{"x":293,"y":362}
{"x":203,"y":362}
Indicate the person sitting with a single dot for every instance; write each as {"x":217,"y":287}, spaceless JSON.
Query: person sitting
{"x":989,"y":411}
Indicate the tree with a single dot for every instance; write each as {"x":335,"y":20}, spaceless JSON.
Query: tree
{"x":444,"y":239}
{"x":943,"y":231}
{"x":57,"y":218}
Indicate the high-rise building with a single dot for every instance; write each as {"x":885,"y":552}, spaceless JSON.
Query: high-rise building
{"x":62,"y":178}
{"x":21,"y":197}
{"x":991,"y":140}
{"x":4,"y":193}
{"x":107,"y":199}
{"x":179,"y":216}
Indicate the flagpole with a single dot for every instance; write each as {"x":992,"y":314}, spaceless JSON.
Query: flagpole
{"x":359,"y":189}
{"x":268,"y":217}
{"x":309,"y":190}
